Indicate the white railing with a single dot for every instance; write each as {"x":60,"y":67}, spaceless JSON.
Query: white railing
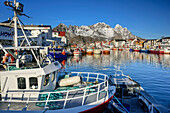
{"x":98,"y":88}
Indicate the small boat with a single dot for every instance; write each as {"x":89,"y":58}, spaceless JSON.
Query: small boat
{"x":156,"y":51}
{"x":77,"y":51}
{"x":136,"y":50}
{"x":58,"y":53}
{"x":167,"y":50}
{"x":106,"y":50}
{"x":120,"y":49}
{"x":144,"y":50}
{"x":114,"y":48}
{"x":130,"y":96}
{"x":97,"y":51}
{"x":89,"y":51}
{"x":131,"y":50}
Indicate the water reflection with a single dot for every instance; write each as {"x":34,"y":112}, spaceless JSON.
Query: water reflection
{"x":121,"y":57}
{"x":152,"y":71}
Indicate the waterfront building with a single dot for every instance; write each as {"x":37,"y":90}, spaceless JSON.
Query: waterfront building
{"x":152,"y":43}
{"x":40,"y":34}
{"x":60,"y":37}
{"x":7,"y":33}
{"x":165,"y":42}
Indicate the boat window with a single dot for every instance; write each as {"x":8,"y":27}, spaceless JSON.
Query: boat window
{"x":46,"y":79}
{"x":33,"y":83}
{"x":53,"y":76}
{"x":21,"y":83}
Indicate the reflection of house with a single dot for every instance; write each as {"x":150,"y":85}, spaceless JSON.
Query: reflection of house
{"x":165,"y":42}
{"x":59,"y":35}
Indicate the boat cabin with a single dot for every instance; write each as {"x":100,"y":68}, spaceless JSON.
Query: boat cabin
{"x":30,"y":80}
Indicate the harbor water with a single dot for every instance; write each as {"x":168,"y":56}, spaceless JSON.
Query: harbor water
{"x":152,"y":71}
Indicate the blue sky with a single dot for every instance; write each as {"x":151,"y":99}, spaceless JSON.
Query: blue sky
{"x":145,"y":18}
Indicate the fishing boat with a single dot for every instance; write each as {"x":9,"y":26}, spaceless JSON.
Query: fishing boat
{"x":89,"y":51}
{"x":77,"y":51}
{"x":130,"y":97}
{"x":131,"y":49}
{"x":136,"y":50}
{"x":120,"y":49}
{"x":38,"y":86}
{"x":144,"y":50}
{"x":97,"y":51}
{"x":106,"y":50}
{"x":156,"y":51}
{"x":167,"y":50}
{"x":114,"y":48}
{"x":58,"y":53}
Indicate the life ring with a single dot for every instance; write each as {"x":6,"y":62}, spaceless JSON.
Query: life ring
{"x":6,"y":56}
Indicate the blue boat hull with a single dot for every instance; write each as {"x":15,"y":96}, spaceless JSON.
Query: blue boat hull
{"x":145,"y":51}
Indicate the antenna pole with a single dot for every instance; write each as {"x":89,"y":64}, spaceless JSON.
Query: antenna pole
{"x":15,"y":25}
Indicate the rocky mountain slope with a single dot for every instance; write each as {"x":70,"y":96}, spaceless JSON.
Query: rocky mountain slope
{"x":96,"y":32}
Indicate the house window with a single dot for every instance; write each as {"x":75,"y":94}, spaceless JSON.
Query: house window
{"x":33,"y":83}
{"x":21,"y":83}
{"x":46,"y":79}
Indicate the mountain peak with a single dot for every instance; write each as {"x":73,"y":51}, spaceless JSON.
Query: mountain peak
{"x":101,"y":24}
{"x":118,"y":26}
{"x":98,"y":31}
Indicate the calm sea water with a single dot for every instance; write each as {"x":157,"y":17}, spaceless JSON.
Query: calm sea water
{"x":152,"y":71}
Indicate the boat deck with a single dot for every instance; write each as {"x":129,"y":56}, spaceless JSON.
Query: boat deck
{"x":54,"y":104}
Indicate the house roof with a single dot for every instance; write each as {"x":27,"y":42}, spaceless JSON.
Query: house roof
{"x":166,"y":38}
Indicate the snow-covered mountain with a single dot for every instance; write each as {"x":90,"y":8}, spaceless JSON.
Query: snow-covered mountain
{"x":99,"y":31}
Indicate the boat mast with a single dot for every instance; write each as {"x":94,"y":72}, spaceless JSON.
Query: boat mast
{"x":18,"y":9}
{"x":15,"y":26}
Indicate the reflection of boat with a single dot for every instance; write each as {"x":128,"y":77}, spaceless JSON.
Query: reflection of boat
{"x":130,"y":96}
{"x":97,"y":51}
{"x":89,"y":51}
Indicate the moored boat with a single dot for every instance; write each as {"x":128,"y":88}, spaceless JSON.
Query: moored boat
{"x":131,"y":97}
{"x":89,"y":51}
{"x":131,"y":49}
{"x":77,"y":51}
{"x":136,"y":50}
{"x":120,"y":49}
{"x":144,"y":50}
{"x":97,"y":51}
{"x":167,"y":50}
{"x":156,"y":51}
{"x":106,"y":50}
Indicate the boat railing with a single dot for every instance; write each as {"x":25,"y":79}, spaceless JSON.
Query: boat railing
{"x":94,"y":92}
